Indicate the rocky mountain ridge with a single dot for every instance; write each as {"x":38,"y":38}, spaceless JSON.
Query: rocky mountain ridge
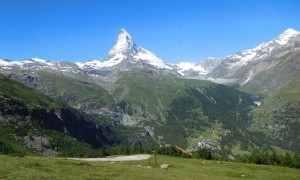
{"x":243,"y":66}
{"x":239,"y":68}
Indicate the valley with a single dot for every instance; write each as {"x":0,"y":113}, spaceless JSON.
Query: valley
{"x":240,"y":103}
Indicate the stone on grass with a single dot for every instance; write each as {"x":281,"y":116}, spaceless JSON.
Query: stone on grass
{"x":164,"y":166}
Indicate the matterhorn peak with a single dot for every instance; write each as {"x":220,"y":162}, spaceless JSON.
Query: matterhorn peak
{"x":125,"y":50}
{"x":124,"y":45}
{"x":124,"y":36}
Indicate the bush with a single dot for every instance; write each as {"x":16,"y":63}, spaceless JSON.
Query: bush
{"x":203,"y":153}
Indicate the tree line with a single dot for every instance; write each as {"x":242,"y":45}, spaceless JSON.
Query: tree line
{"x":79,"y":150}
{"x":267,"y":158}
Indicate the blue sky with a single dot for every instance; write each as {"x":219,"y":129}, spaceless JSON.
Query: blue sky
{"x":175,"y":30}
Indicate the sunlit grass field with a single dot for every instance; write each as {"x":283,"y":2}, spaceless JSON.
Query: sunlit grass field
{"x":61,"y":168}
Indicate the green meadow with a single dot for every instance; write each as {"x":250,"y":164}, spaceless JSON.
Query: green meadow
{"x":179,"y":168}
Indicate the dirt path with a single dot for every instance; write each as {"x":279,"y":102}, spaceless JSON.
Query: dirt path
{"x":118,"y":158}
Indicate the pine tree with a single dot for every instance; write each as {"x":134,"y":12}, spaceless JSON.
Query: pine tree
{"x":296,"y":161}
{"x":287,"y":161}
{"x":274,"y":159}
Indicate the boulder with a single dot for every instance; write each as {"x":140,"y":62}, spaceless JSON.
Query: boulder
{"x":164,"y":166}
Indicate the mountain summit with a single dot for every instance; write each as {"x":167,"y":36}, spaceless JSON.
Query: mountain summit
{"x":124,"y":45}
{"x":124,"y":54}
{"x":286,"y":36}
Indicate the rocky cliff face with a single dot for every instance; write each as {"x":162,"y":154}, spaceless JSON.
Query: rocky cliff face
{"x":64,"y":120}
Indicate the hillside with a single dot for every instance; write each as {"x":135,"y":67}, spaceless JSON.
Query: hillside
{"x":77,"y":91}
{"x":190,"y":110}
{"x":285,"y":72}
{"x":27,"y":115}
{"x":278,"y":115}
{"x":145,"y":106}
{"x":31,"y":121}
{"x":278,"y":88}
{"x":162,"y":106}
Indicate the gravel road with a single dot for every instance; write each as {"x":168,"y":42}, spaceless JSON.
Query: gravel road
{"x":118,"y":158}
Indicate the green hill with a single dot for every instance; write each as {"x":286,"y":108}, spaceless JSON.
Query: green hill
{"x":31,"y":121}
{"x":77,"y":91}
{"x":147,"y":107}
{"x":183,"y":112}
{"x":279,"y":116}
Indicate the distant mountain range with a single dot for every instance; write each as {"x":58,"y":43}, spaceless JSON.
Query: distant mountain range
{"x":135,"y":95}
{"x":239,"y":68}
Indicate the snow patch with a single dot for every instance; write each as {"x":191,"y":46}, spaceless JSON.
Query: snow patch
{"x":286,"y":35}
{"x":248,"y":78}
{"x":4,"y":62}
{"x":116,"y":59}
{"x":185,"y":66}
{"x":257,"y":103}
{"x":221,"y":80}
{"x":149,"y":57}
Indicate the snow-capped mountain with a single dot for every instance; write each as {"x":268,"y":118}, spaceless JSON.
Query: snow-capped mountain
{"x":197,"y":70}
{"x":126,"y":51}
{"x":35,"y":64}
{"x":8,"y":64}
{"x":239,"y":68}
{"x":123,"y":55}
{"x":262,"y":51}
{"x":5,"y":63}
{"x":244,"y":65}
{"x":185,"y":67}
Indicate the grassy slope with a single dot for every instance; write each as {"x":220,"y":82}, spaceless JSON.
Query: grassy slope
{"x":18,"y":104}
{"x":192,"y":109}
{"x":16,"y":118}
{"x":59,"y":168}
{"x":155,"y":93}
{"x":76,"y":93}
{"x":278,"y":114}
{"x":281,"y":110}
{"x":192,"y":115}
{"x":17,"y":91}
{"x":21,"y":95}
{"x":151,"y":93}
